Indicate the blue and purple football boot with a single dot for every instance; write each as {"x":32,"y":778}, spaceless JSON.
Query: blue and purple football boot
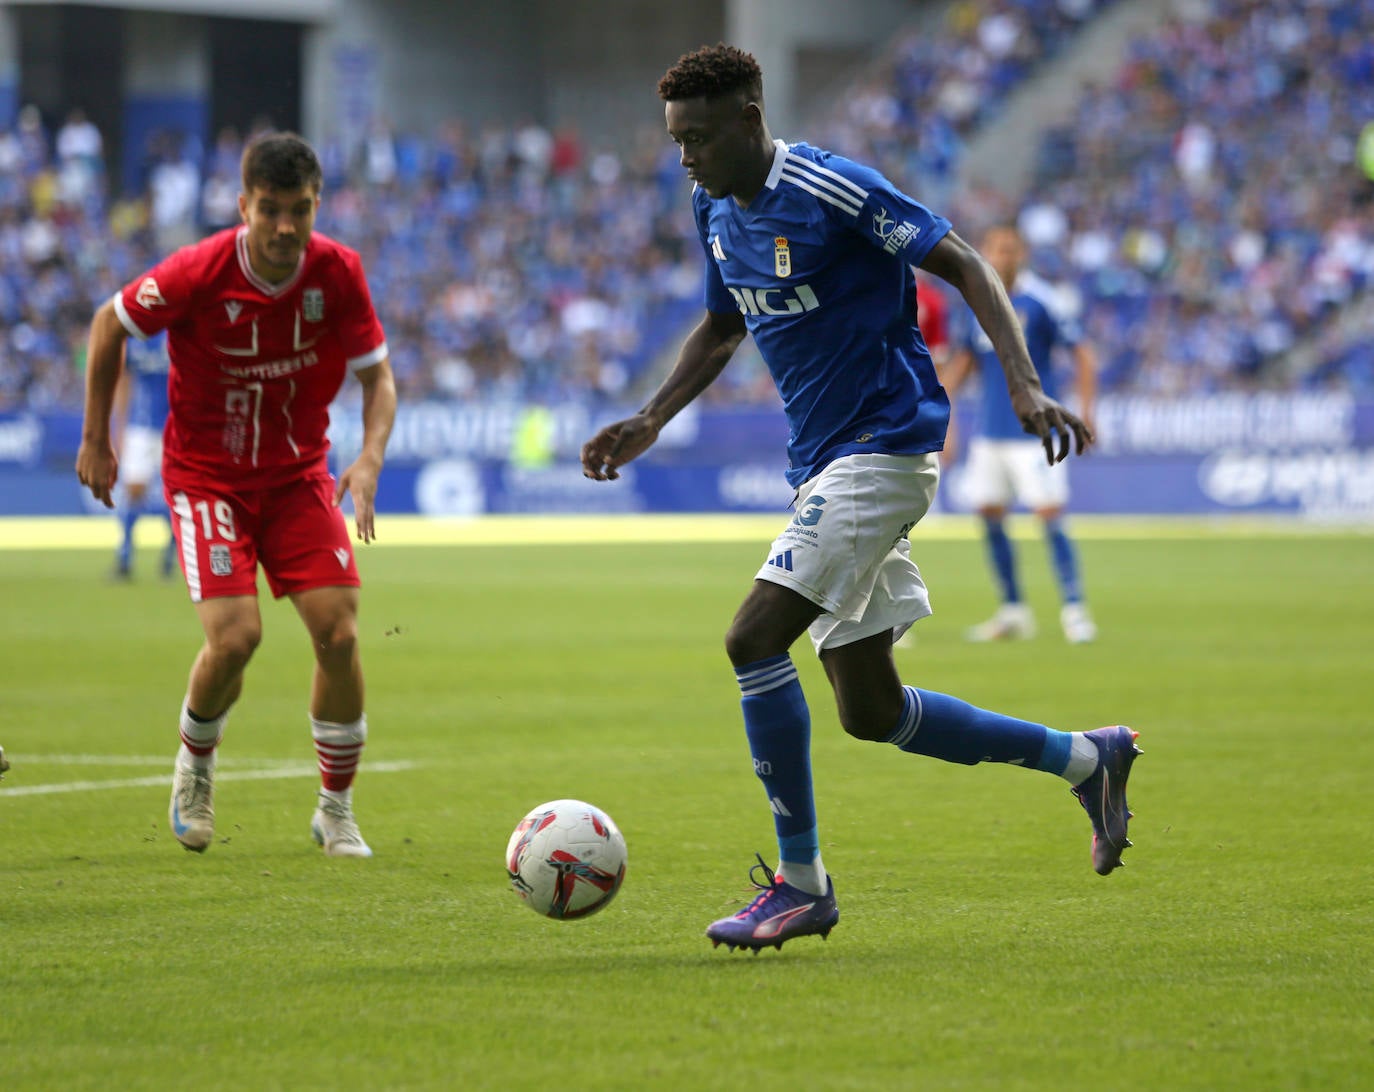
{"x":1103,"y":795}
{"x":779,"y":913}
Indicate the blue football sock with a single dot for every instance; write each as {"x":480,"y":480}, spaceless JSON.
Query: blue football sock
{"x":128,"y":516}
{"x":778,"y":724}
{"x":944,"y":727}
{"x":1003,"y":558}
{"x":1065,"y":560}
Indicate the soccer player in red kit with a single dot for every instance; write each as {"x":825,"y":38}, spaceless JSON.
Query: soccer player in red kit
{"x":263,"y":323}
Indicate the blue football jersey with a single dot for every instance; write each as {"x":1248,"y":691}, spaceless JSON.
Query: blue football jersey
{"x":1044,"y":329}
{"x":148,"y":364}
{"x":820,"y":264}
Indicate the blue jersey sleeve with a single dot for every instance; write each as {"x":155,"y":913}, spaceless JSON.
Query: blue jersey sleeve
{"x":887,"y":218}
{"x":715,"y":295}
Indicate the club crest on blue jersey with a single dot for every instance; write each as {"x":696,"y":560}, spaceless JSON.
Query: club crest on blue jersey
{"x":782,"y":257}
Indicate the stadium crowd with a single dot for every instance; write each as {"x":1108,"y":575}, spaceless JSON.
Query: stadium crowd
{"x":1204,"y":210}
{"x":1209,"y":205}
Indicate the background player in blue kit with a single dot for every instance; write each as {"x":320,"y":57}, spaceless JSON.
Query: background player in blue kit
{"x":1004,"y":465}
{"x":812,"y":254}
{"x":141,"y":406}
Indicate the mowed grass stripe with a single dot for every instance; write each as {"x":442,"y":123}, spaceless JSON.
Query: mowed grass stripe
{"x":976,"y":949}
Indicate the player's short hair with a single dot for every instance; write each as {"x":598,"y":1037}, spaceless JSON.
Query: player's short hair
{"x":1004,"y":225}
{"x":710,"y":72}
{"x":281,"y":161}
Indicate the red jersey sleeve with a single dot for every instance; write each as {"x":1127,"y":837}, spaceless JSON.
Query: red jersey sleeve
{"x":360,"y":331}
{"x":157,"y":299}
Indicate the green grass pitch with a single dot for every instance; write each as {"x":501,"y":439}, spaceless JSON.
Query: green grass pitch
{"x":976,"y":948}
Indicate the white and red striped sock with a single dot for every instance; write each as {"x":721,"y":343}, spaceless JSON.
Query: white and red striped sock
{"x":199,"y":738}
{"x":339,"y":748}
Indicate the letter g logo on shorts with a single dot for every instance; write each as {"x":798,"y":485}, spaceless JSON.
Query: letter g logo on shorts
{"x":809,"y":514}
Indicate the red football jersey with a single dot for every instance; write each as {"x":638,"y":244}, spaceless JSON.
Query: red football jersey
{"x":931,"y":310}
{"x":255,"y":365}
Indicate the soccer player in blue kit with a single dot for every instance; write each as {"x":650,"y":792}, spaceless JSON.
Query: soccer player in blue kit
{"x":141,"y":404}
{"x":1004,"y":464}
{"x":812,"y":254}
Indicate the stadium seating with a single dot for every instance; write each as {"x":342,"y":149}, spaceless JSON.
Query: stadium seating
{"x":1204,"y":209}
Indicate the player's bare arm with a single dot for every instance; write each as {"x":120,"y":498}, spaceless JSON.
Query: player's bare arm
{"x":704,"y":354}
{"x":954,"y":261}
{"x":97,"y":465}
{"x":359,"y":480}
{"x":1085,"y":378}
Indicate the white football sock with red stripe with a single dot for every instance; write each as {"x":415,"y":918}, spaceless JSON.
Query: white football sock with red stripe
{"x":339,"y":748}
{"x":199,"y":738}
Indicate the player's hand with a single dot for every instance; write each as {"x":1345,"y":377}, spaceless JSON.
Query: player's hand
{"x":1042,"y":416}
{"x":359,"y":481}
{"x":615,"y":445}
{"x":97,"y":468}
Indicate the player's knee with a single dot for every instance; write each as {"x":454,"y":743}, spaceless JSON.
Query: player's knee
{"x":337,"y":643}
{"x":236,"y":645}
{"x":746,"y":644}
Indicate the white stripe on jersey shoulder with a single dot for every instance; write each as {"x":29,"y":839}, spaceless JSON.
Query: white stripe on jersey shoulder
{"x":855,"y":190}
{"x":820,"y":188}
{"x":780,"y":154}
{"x":266,"y":287}
{"x":1028,"y":283}
{"x":125,"y":319}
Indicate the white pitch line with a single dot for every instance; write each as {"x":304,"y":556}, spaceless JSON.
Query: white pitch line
{"x":135,"y":760}
{"x":279,"y":773}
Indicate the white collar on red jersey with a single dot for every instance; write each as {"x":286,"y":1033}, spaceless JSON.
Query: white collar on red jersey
{"x":267,"y":288}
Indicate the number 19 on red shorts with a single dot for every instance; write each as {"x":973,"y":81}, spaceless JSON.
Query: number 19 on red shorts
{"x":294,"y":531}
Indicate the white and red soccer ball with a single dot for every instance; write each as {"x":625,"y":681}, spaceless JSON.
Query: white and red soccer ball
{"x":566,"y":859}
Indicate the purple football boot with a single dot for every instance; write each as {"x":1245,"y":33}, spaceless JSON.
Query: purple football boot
{"x":1103,"y":795}
{"x":779,"y":913}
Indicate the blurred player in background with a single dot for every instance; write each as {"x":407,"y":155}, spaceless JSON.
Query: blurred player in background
{"x":1004,"y":465}
{"x":932,"y":318}
{"x":812,"y":254}
{"x":140,"y":411}
{"x":264,"y":322}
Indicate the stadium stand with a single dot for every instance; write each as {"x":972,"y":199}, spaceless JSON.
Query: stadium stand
{"x":1207,"y":206}
{"x":1204,"y":209}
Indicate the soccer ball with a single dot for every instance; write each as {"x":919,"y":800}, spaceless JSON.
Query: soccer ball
{"x":566,"y":859}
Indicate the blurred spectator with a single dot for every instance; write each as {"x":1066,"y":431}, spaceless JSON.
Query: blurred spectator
{"x":1204,"y":211}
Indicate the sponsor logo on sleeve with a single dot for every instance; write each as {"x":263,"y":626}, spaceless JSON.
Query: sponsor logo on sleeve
{"x":894,"y":236}
{"x":149,"y":295}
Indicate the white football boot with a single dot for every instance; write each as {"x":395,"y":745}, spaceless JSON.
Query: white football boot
{"x":1078,"y":625}
{"x":192,"y":809}
{"x":1012,"y":622}
{"x":334,"y":828}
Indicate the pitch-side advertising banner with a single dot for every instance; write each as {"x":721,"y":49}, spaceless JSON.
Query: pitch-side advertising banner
{"x":1304,"y":454}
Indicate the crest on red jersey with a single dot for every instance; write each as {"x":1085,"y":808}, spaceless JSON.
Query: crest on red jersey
{"x":312,"y":304}
{"x":149,"y":295}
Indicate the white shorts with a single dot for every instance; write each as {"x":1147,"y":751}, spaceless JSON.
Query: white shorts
{"x":140,"y":457}
{"x":846,"y":548}
{"x":1000,"y":472}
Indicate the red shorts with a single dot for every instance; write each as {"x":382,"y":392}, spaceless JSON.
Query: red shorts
{"x":294,"y":530}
